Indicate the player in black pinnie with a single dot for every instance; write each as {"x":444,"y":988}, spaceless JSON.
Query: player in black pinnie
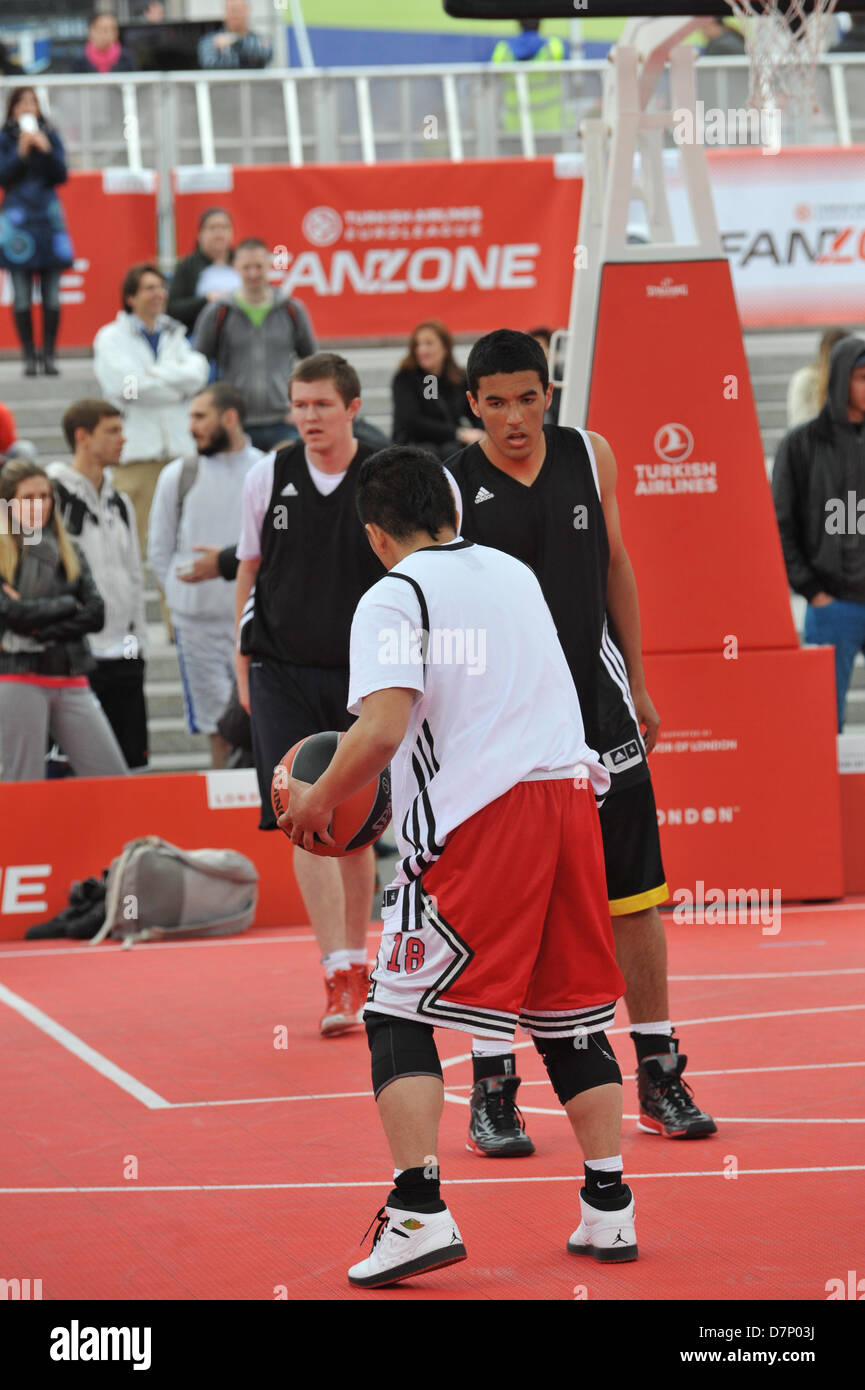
{"x":547,"y":495}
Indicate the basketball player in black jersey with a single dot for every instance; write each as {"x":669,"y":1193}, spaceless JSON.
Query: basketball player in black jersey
{"x":547,"y":495}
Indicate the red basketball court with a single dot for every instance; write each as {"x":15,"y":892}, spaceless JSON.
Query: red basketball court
{"x":175,"y":1129}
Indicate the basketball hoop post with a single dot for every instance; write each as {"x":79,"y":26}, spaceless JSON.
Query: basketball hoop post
{"x":611,"y":143}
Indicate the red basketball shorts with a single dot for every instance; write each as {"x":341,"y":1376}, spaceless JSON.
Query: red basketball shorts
{"x":510,"y":924}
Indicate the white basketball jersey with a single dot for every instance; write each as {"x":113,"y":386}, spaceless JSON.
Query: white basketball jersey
{"x":467,"y":628}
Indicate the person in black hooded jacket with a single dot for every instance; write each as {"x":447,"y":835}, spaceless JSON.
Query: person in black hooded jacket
{"x":48,"y":603}
{"x":818,"y":484}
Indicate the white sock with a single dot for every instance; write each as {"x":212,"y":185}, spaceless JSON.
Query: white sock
{"x":605,"y":1165}
{"x":491,"y":1047}
{"x":335,"y":960}
{"x":357,"y":957}
{"x":665,"y":1027}
{"x":396,"y":1173}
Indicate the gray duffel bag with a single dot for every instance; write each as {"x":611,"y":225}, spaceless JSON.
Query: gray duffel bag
{"x":157,"y":892}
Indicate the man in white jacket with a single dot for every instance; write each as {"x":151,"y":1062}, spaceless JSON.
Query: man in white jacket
{"x":102,"y":521}
{"x":144,"y":365}
{"x":197,"y":505}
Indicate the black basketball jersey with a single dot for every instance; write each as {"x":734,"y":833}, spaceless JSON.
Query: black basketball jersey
{"x":316,"y":562}
{"x":557,"y":527}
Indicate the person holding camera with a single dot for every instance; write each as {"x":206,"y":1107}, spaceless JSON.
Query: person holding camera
{"x":33,"y":236}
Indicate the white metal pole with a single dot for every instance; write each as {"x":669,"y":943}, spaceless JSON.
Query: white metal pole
{"x":298,"y":24}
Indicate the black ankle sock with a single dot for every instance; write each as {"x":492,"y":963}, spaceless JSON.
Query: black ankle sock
{"x":651,"y":1044}
{"x":606,"y":1191}
{"x":505,"y":1065}
{"x":416,"y":1192}
{"x":604,"y":1185}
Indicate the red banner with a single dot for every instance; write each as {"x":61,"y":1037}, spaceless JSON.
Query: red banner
{"x":746,"y":772}
{"x":58,"y":831}
{"x":110,"y":231}
{"x":670,"y":390}
{"x":373,"y":251}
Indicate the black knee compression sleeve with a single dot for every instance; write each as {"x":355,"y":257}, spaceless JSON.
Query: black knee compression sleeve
{"x":578,"y":1064}
{"x":399,"y":1047}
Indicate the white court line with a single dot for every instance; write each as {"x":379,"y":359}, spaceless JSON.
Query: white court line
{"x":686,"y":1023}
{"x":446,"y":1182}
{"x":107,"y":950}
{"x":83,"y":1051}
{"x":726,"y":1071}
{"x":467,"y":1086}
{"x":775,"y":974}
{"x":722,"y":1119}
{"x":268,"y":1100}
{"x":153,"y":1101}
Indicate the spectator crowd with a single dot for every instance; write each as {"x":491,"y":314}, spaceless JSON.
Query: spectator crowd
{"x":203,"y":383}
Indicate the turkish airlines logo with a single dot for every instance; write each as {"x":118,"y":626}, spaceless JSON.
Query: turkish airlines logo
{"x":322,"y":226}
{"x":667,"y":289}
{"x":674,"y":443}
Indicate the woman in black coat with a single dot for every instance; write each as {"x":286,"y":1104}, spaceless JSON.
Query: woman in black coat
{"x":33,"y":235}
{"x":48,"y":603}
{"x":429,"y":395}
{"x":207,"y":272}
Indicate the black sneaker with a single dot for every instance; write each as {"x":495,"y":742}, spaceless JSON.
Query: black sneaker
{"x":666,"y":1105}
{"x":497,"y":1129}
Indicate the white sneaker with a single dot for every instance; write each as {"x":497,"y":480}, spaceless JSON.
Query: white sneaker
{"x":607,"y":1235}
{"x":408,"y":1243}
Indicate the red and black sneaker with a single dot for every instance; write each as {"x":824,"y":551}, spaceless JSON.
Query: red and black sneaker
{"x":497,"y":1129}
{"x":666,"y":1104}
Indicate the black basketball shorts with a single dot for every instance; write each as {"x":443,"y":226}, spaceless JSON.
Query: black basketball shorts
{"x":632,"y":850}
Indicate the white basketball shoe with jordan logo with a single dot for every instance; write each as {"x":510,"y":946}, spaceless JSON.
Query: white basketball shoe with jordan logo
{"x":408,"y":1243}
{"x":606,"y":1235}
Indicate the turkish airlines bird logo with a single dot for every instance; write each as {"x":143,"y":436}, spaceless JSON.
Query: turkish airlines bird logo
{"x":673,"y":443}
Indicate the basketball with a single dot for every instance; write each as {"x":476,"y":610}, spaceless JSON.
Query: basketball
{"x":356,"y":822}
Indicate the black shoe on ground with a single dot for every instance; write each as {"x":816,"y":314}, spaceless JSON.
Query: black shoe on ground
{"x":666,"y":1101}
{"x":497,"y":1129}
{"x":80,"y":919}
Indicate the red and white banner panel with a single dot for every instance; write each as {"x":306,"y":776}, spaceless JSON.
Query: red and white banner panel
{"x":793,"y":227}
{"x":373,"y":251}
{"x":58,"y":831}
{"x":746,"y":772}
{"x":111,"y":218}
{"x":673,"y":397}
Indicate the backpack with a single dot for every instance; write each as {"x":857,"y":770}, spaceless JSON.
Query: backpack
{"x":157,"y":892}
{"x":222,"y":315}
{"x":188,"y":474}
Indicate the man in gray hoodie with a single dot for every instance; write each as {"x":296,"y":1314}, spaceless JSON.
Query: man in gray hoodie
{"x":255,"y":335}
{"x":818,"y":484}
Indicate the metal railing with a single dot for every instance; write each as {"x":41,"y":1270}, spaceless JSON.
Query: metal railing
{"x":378,"y":114}
{"x":145,"y":123}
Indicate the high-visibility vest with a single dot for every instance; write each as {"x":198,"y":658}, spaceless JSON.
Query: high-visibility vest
{"x":545,"y":89}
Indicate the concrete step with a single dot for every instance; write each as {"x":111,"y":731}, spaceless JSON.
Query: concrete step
{"x":164,"y":699}
{"x":179,"y":762}
{"x":169,"y":734}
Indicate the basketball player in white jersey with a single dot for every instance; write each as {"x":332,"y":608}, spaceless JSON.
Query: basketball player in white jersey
{"x":460,"y":683}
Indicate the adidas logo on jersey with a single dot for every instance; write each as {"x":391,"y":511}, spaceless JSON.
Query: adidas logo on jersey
{"x":483,"y":496}
{"x":289,"y":491}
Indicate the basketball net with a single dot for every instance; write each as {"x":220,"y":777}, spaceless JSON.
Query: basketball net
{"x":783,"y":47}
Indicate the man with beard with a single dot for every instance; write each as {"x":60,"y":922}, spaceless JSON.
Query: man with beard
{"x":197,"y":506}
